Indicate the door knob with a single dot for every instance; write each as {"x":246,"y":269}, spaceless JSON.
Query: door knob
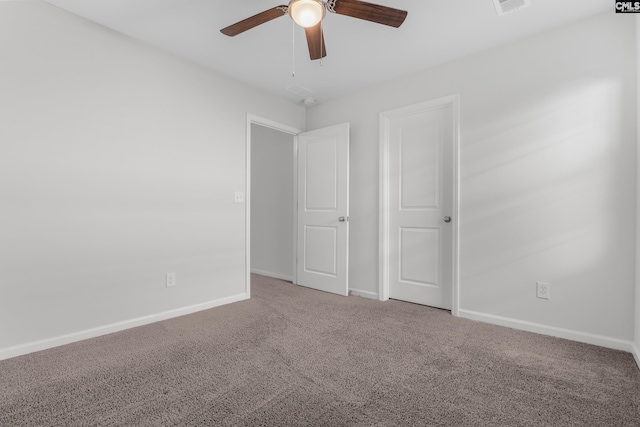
{"x":447,"y":219}
{"x":341,"y":219}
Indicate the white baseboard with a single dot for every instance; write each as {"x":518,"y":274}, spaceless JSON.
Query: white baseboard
{"x":19,"y":350}
{"x":274,"y":275}
{"x":364,"y":294}
{"x":636,"y":354}
{"x":599,"y":340}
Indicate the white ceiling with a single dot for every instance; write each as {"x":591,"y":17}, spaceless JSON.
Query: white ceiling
{"x":359,"y":53}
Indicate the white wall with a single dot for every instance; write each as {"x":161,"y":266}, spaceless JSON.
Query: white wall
{"x":272,"y":179}
{"x":547,"y":177}
{"x":637,"y":296}
{"x":118,"y":164}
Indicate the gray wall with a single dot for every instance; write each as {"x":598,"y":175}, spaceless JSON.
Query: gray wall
{"x":119,"y":164}
{"x":637,"y":299}
{"x":272,"y":178}
{"x":547,"y":178}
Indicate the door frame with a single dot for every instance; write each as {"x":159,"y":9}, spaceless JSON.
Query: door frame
{"x":261,"y":121}
{"x":383,"y":244}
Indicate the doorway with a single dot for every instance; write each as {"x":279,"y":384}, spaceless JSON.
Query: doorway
{"x":318,"y":174}
{"x":419,"y":203}
{"x":272,"y":203}
{"x":270,"y":194}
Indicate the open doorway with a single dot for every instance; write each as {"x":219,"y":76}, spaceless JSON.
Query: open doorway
{"x":297,"y":206}
{"x":271,"y":189}
{"x":272,"y":203}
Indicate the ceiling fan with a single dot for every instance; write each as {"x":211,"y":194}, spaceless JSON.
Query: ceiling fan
{"x":309,"y":14}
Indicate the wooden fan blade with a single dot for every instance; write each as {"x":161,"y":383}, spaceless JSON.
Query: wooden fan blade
{"x":371,"y":12}
{"x":254,"y":21}
{"x":315,"y":41}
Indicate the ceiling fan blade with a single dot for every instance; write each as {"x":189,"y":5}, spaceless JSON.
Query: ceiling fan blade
{"x":371,"y":12}
{"x":315,"y":41}
{"x":254,"y":21}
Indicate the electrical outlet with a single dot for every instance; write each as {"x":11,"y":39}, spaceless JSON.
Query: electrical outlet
{"x":239,"y":197}
{"x":171,"y":280}
{"x":543,"y":290}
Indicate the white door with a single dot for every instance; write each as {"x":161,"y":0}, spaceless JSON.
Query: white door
{"x":323,"y":209}
{"x":420,"y":204}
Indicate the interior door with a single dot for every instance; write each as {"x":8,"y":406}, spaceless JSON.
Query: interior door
{"x":421,"y":206}
{"x":323,"y":209}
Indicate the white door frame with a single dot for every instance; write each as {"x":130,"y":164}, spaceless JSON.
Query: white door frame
{"x":385,"y":117}
{"x":253,"y":119}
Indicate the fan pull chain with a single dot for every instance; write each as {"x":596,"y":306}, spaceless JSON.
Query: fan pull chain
{"x":293,"y":48}
{"x":321,"y":40}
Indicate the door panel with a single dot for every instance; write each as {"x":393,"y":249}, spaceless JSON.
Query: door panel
{"x":419,"y":255}
{"x":420,"y":196}
{"x":321,"y":178}
{"x":320,"y":244}
{"x":419,"y":167}
{"x":323,"y":199}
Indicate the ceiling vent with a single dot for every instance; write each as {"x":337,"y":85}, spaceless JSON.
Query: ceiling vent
{"x":302,"y":92}
{"x":507,"y":6}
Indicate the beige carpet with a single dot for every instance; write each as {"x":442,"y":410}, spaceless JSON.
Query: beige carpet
{"x":291,"y":356}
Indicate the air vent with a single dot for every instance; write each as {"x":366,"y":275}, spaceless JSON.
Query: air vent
{"x":302,"y":92}
{"x":507,"y":6}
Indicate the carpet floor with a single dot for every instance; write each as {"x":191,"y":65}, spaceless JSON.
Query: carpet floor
{"x":292,"y":356}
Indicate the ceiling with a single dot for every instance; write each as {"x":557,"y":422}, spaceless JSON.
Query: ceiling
{"x":359,"y":53}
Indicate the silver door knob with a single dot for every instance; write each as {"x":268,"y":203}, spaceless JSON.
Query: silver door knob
{"x":447,"y":219}
{"x":341,"y":219}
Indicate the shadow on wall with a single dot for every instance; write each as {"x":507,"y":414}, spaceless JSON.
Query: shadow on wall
{"x":546,"y":197}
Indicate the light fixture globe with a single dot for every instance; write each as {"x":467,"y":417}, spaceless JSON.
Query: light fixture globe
{"x":306,"y":13}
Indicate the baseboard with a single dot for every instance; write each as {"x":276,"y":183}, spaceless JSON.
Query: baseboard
{"x":271,"y":274}
{"x":599,"y":340}
{"x":364,"y":294}
{"x":9,"y":352}
{"x":636,"y":354}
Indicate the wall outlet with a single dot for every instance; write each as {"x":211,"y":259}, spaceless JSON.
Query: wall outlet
{"x":543,"y":290}
{"x":239,"y":197}
{"x":171,"y":280}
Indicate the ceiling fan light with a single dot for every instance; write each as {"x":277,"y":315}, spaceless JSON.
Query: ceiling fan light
{"x":306,"y":13}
